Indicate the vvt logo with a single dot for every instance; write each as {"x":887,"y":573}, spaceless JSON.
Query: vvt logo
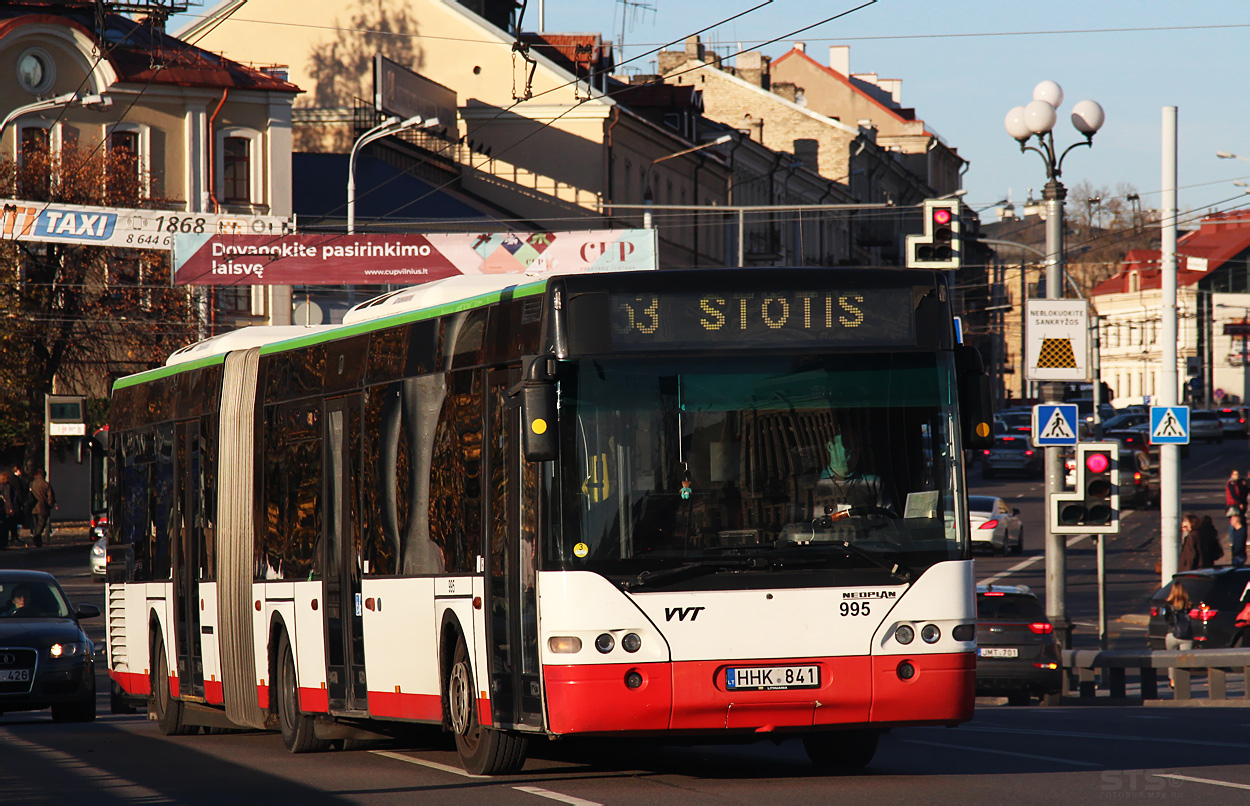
{"x":66,"y":224}
{"x":682,"y":612}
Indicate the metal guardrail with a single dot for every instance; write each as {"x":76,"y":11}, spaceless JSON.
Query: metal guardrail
{"x":1110,"y":668}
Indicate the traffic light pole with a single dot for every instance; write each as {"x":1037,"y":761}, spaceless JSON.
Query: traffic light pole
{"x":1169,"y":455}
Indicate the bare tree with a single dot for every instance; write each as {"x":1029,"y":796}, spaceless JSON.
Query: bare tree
{"x":79,"y":315}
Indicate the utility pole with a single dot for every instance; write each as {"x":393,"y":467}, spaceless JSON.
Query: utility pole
{"x":1169,"y":455}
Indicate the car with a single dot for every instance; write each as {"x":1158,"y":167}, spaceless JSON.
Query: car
{"x":1205,"y":425}
{"x":1011,"y":454}
{"x":1017,"y":654}
{"x":1234,"y":420}
{"x":1139,"y":469}
{"x":1216,"y":596}
{"x":46,"y":659}
{"x":995,"y":525}
{"x":1018,"y":421}
{"x":99,"y":558}
{"x":1125,"y":421}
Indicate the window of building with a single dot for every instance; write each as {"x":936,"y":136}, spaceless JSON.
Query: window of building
{"x":1134,"y":282}
{"x":236,"y":170}
{"x":35,"y":155}
{"x":36,"y":71}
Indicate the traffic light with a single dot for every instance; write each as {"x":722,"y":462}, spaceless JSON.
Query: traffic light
{"x":1093,"y":508}
{"x":940,"y":247}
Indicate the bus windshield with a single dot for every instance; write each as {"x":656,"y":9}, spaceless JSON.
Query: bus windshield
{"x":676,"y":462}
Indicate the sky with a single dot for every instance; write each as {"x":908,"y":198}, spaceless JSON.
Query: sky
{"x":965,"y":63}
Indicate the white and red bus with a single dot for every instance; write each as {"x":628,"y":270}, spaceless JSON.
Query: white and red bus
{"x":692,"y":505}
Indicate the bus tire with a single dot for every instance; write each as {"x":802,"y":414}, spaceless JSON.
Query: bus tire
{"x":482,"y":750}
{"x":168,"y":710}
{"x":298,"y":729}
{"x":842,"y":751}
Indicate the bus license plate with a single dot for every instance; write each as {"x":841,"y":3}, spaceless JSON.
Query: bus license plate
{"x":10,"y":675}
{"x":771,"y":678}
{"x":998,"y":652}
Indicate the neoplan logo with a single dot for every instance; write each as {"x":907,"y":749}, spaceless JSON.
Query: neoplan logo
{"x":682,"y":612}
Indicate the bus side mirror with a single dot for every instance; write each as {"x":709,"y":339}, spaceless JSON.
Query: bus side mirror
{"x":540,"y":440}
{"x":976,"y":403}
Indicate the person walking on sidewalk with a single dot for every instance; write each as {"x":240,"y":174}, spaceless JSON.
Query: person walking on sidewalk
{"x":1199,"y":548}
{"x":1235,"y":492}
{"x":10,"y":510}
{"x":45,"y":502}
{"x":1237,"y":540}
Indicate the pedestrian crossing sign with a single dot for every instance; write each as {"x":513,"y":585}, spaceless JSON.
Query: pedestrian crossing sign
{"x":1169,"y":425}
{"x":1054,"y":424}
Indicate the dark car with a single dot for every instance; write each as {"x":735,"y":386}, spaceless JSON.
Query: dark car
{"x":1216,"y":596}
{"x":1016,"y":650}
{"x":1011,"y":454}
{"x":46,"y":660}
{"x":1234,"y":420}
{"x":1018,"y":421}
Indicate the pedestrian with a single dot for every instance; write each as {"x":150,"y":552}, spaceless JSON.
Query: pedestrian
{"x":1199,"y":549}
{"x":45,"y":501}
{"x":1237,"y":540}
{"x":26,"y":504}
{"x":10,"y":510}
{"x":1235,"y":492}
{"x":1180,"y":633}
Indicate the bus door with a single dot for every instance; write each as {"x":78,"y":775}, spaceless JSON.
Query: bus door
{"x":511,"y":597}
{"x":344,"y":634}
{"x":188,"y":553}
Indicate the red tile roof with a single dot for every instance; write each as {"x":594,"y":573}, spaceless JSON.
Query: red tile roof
{"x":140,"y":54}
{"x":1219,"y":239}
{"x":902,"y":114}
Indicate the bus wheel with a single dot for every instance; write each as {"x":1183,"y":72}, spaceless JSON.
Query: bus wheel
{"x":168,"y":710}
{"x":841,"y":751}
{"x":298,"y":732}
{"x":482,"y":750}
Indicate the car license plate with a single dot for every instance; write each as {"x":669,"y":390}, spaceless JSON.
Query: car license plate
{"x":10,"y":675}
{"x":998,"y":652}
{"x":771,"y":678}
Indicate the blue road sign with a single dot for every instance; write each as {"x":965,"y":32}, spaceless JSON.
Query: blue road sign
{"x":1054,"y":424}
{"x":1169,"y":425}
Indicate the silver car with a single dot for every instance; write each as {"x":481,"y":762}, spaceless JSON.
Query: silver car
{"x":995,"y":525}
{"x":99,"y":558}
{"x":1205,"y":425}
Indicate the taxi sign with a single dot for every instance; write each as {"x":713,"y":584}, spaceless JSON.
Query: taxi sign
{"x":1054,"y":424}
{"x":1169,"y":425}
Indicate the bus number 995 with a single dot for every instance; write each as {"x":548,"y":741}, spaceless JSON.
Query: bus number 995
{"x":854,"y":608}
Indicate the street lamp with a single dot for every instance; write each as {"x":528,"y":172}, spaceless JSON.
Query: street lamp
{"x":1037,"y":119}
{"x":392,"y":125}
{"x":99,"y":102}
{"x":1226,"y":155}
{"x":648,"y":198}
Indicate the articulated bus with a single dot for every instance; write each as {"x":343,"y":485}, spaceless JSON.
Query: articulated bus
{"x":674,"y":505}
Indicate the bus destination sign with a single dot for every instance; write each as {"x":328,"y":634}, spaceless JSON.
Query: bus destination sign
{"x":882,"y":317}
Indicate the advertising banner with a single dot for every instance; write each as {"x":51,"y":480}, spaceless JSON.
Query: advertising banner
{"x":403,"y":259}
{"x":114,"y":226}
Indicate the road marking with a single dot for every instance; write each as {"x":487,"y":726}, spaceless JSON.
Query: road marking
{"x":103,"y":781}
{"x":547,"y":793}
{"x":434,"y":765}
{"x":1023,"y":564}
{"x":1005,"y":753}
{"x":1210,"y":781}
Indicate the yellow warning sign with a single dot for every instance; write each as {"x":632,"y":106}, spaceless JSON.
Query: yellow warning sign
{"x":1056,"y":354}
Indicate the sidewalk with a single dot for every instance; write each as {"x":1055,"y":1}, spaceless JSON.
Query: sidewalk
{"x":64,"y":533}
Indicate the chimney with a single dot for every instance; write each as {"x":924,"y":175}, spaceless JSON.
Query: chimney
{"x":694,"y":48}
{"x":753,"y":128}
{"x":840,"y":59}
{"x":808,"y":152}
{"x":753,"y":68}
{"x":894,"y":86}
{"x":801,"y":47}
{"x":788,"y":90}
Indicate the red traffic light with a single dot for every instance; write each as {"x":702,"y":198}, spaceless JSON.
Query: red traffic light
{"x":942,"y":216}
{"x":1097,"y":462}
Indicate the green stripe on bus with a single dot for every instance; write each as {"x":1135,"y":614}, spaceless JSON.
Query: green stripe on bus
{"x":165,"y":372}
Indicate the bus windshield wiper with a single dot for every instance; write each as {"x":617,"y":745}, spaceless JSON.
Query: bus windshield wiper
{"x":685,"y":571}
{"x":896,"y":570}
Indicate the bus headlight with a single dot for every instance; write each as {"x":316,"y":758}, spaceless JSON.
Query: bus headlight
{"x":632,"y":642}
{"x":931,"y":633}
{"x":605,"y":643}
{"x":564,"y":644}
{"x":904,"y":634}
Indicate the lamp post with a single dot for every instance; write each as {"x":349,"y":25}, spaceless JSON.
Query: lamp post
{"x":392,"y":125}
{"x":100,"y":102}
{"x":648,"y":198}
{"x":1037,"y":119}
